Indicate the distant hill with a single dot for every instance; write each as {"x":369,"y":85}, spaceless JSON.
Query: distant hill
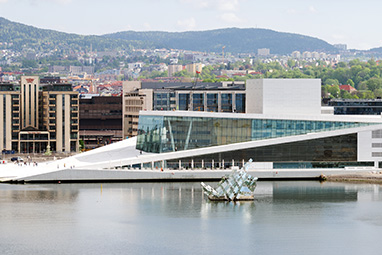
{"x":23,"y":36}
{"x":235,"y":40}
{"x":376,"y":50}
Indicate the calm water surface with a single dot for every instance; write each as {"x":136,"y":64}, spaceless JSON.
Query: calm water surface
{"x":175,"y":218}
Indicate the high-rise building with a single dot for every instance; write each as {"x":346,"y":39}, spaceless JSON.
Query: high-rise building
{"x":38,"y":117}
{"x":10,"y":117}
{"x":172,"y":69}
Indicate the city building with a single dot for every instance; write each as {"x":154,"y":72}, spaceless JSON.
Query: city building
{"x":296,"y":54}
{"x":226,"y":139}
{"x":306,"y":54}
{"x":38,"y":117}
{"x":10,"y":120}
{"x":278,"y":139}
{"x":172,"y":69}
{"x":209,"y":97}
{"x":282,"y":129}
{"x":342,"y":47}
{"x":263,"y":52}
{"x":100,"y":120}
{"x":356,"y":106}
{"x":193,"y":68}
{"x":347,"y":88}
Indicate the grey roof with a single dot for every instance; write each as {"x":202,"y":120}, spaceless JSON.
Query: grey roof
{"x":190,"y":86}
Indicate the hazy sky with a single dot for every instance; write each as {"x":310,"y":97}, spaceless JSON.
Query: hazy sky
{"x":355,"y":23}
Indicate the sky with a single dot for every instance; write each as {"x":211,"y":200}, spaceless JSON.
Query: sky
{"x":355,"y":23}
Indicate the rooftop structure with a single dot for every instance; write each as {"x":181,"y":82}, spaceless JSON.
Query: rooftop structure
{"x":284,"y":96}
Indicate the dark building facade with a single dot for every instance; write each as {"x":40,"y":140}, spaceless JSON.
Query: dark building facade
{"x":357,"y":106}
{"x":100,"y":120}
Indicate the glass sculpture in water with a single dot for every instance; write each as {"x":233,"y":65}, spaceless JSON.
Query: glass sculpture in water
{"x":238,"y":185}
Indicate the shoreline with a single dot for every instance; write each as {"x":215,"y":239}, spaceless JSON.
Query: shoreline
{"x":370,"y":178}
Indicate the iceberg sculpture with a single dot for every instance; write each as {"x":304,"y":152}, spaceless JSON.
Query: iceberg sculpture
{"x":238,"y":185}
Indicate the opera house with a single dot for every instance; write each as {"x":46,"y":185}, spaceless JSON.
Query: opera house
{"x":283,"y":129}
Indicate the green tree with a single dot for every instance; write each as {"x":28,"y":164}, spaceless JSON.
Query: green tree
{"x":291,"y":63}
{"x":374,"y":83}
{"x":28,"y":63}
{"x":182,"y":73}
{"x":334,"y":91}
{"x":332,"y":82}
{"x":378,"y":93}
{"x":350,"y":82}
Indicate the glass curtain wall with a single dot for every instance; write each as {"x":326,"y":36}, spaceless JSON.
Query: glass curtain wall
{"x":212,"y":102}
{"x":226,"y":102}
{"x":184,"y":101}
{"x":167,"y":133}
{"x":240,"y":103}
{"x":198,"y":102}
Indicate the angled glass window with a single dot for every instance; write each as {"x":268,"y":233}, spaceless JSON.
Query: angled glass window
{"x":172,"y":133}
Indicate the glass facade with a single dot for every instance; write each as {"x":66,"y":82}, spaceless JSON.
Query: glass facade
{"x":240,"y":103}
{"x":329,"y":152}
{"x":172,"y":133}
{"x":226,"y":102}
{"x":212,"y":102}
{"x":357,"y":107}
{"x":161,"y":101}
{"x":184,"y":101}
{"x":198,"y":102}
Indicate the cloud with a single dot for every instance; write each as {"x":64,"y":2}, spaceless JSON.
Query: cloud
{"x":230,"y":18}
{"x":37,"y":2}
{"x":3,"y":1}
{"x":312,"y":9}
{"x":219,"y":5}
{"x":338,"y":36}
{"x":187,"y":24}
{"x":147,"y":26}
{"x":291,"y":11}
{"x":228,"y":5}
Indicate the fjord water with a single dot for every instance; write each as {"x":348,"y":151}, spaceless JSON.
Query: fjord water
{"x":175,"y":218}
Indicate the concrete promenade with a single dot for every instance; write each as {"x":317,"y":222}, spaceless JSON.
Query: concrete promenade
{"x":104,"y":164}
{"x":47,"y":173}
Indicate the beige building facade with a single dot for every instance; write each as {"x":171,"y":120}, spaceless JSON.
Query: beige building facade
{"x":38,"y":117}
{"x":134,"y":100}
{"x":10,"y":117}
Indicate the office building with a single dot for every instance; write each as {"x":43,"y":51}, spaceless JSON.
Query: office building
{"x":207,"y":97}
{"x":356,"y":106}
{"x":100,"y":120}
